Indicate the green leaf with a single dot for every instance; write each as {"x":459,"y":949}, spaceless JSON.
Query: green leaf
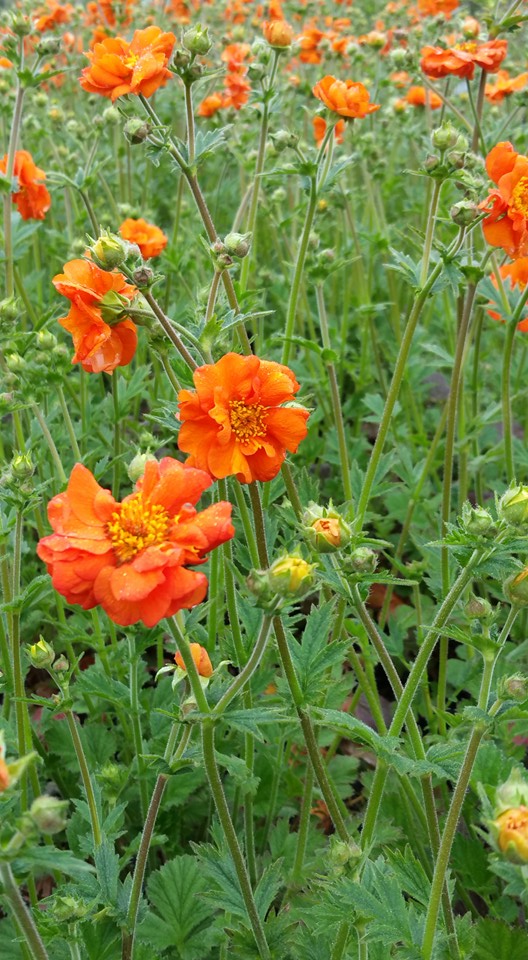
{"x":410,"y":874}
{"x":496,"y":941}
{"x":107,"y":866}
{"x":41,"y":860}
{"x":181,"y":917}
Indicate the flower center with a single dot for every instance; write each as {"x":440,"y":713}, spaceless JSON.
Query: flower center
{"x":517,"y":821}
{"x":138,"y":524}
{"x":519,"y":197}
{"x":131,"y":61}
{"x":469,"y":47}
{"x":247,"y":420}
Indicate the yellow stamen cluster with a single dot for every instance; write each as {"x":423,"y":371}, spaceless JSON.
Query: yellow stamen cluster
{"x":519,"y":198}
{"x":136,"y":525}
{"x":247,"y":420}
{"x":131,"y":61}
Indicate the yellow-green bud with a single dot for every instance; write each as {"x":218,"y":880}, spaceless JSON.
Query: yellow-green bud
{"x":41,"y":654}
{"x":364,"y":560}
{"x":445,"y":136}
{"x":324,"y":529}
{"x":49,"y":814}
{"x":291,"y":576}
{"x":513,"y":506}
{"x":136,"y":467}
{"x":478,"y":608}
{"x":238,"y":244}
{"x":22,"y":466}
{"x":46,"y":340}
{"x":513,"y":688}
{"x":476,"y":520}
{"x":109,"y":251}
{"x":137,"y":130}
{"x":512,"y":793}
{"x":516,"y":588}
{"x":197,"y":40}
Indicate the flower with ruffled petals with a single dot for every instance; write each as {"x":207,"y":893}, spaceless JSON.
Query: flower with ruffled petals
{"x":102,"y":338}
{"x":432,"y":8}
{"x":319,"y":128}
{"x":131,"y":558}
{"x":118,"y":67}
{"x":149,"y":238}
{"x":506,"y":223}
{"x":421,"y":97}
{"x":234,"y":423}
{"x":460,"y":60}
{"x":345,"y":97}
{"x":504,"y":86}
{"x":32,"y":199}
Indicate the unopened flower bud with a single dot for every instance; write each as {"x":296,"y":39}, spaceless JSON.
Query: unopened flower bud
{"x":431,"y":163}
{"x":46,"y":340}
{"x":197,"y":40}
{"x":181,"y":58}
{"x":256,"y":70}
{"x":278,"y":33}
{"x":5,"y":779}
{"x":478,"y":608}
{"x":20,"y":25}
{"x":513,"y":688}
{"x":456,"y":159}
{"x":291,"y":576}
{"x":516,"y":588}
{"x":512,"y":793}
{"x":464,"y":212}
{"x":136,"y":467}
{"x":41,"y":654}
{"x":470,"y":28}
{"x":445,"y":136}
{"x":9,"y":311}
{"x":511,"y":831}
{"x":22,"y":466}
{"x":513,"y":507}
{"x":476,"y":520}
{"x":111,"y":116}
{"x":324,"y":529}
{"x":137,"y":130}
{"x":282,"y":139}
{"x":49,"y":814}
{"x":48,"y":46}
{"x":109,"y":251}
{"x":237,"y":244}
{"x":113,"y":306}
{"x":143,"y":276}
{"x":68,"y":908}
{"x":364,"y":560}
{"x":201,"y":659}
{"x":61,"y":665}
{"x":15,"y":363}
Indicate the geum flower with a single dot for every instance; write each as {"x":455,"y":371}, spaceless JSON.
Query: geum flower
{"x":345,"y":97}
{"x":506,"y":223}
{"x":461,"y":59}
{"x":149,"y":238}
{"x":504,"y":86}
{"x":118,"y":67}
{"x":131,"y":558}
{"x":102,"y":339}
{"x":234,"y":423}
{"x":32,"y":198}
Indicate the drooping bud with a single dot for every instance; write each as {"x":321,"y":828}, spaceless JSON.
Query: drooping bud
{"x":137,"y":130}
{"x":238,"y":244}
{"x":109,"y":251}
{"x":201,"y":659}
{"x":41,"y":654}
{"x":282,"y":139}
{"x":464,"y":212}
{"x":197,"y":40}
{"x":513,"y":688}
{"x":445,"y":136}
{"x":478,"y":608}
{"x":49,"y":814}
{"x":513,"y":506}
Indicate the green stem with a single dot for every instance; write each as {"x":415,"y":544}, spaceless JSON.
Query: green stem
{"x":249,"y":669}
{"x":190,"y":122}
{"x":136,"y":724}
{"x":453,"y":816}
{"x":69,"y":424}
{"x":51,"y":445}
{"x":86,"y":779}
{"x":304,"y":824}
{"x":117,"y":434}
{"x":298,"y":271}
{"x":341,"y":940}
{"x":336,"y":399}
{"x":506,"y":400}
{"x":21,"y":914}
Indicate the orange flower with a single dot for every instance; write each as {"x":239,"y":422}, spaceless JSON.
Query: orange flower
{"x":278,"y":33}
{"x":52,"y":15}
{"x":432,"y":8}
{"x":237,"y":91}
{"x":234,"y":56}
{"x":319,"y":125}
{"x":233,"y":423}
{"x":489,"y":55}
{"x":131,"y":558}
{"x":149,"y":238}
{"x":345,"y":97}
{"x":512,"y":829}
{"x":118,"y":67}
{"x":506,"y":224}
{"x":517,"y":275}
{"x":420,"y":96}
{"x":32,"y":198}
{"x":504,"y":86}
{"x":102,"y":339}
{"x":211,"y":105}
{"x":309,"y":42}
{"x":201,"y":659}
{"x":460,"y":60}
{"x":5,"y":778}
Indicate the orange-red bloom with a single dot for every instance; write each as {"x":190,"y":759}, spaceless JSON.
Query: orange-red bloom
{"x":506,"y":224}
{"x":118,"y":67}
{"x":344,"y":97}
{"x":102,"y":339}
{"x":431,"y":8}
{"x":32,"y":198}
{"x":278,"y":33}
{"x":460,"y":60}
{"x":422,"y":96}
{"x":233,"y":422}
{"x":319,"y":126}
{"x":516,"y":273}
{"x":149,"y":238}
{"x":211,"y":105}
{"x":201,"y":659}
{"x":51,"y":15}
{"x":131,"y":558}
{"x":504,"y":86}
